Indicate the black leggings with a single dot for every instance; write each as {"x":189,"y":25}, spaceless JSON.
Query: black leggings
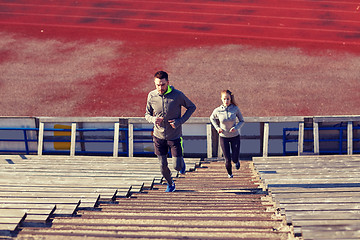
{"x":234,"y":144}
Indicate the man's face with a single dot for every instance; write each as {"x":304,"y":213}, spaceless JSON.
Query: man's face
{"x":161,"y":85}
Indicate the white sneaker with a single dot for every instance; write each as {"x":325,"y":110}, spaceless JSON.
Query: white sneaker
{"x":230,"y":175}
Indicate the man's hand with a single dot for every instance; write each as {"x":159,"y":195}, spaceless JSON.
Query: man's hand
{"x":172,"y":123}
{"x":159,"y":120}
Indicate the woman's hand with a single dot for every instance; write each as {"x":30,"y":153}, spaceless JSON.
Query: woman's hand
{"x":220,"y":130}
{"x":232,"y":130}
{"x":159,"y":120}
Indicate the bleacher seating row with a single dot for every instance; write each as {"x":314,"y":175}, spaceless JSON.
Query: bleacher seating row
{"x":319,"y":195}
{"x":34,"y":189}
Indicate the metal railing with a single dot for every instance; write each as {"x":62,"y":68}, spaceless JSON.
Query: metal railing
{"x":62,"y":139}
{"x":340,"y":139}
{"x":25,"y":139}
{"x":136,"y":125}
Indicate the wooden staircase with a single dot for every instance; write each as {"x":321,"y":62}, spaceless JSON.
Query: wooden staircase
{"x":206,"y":205}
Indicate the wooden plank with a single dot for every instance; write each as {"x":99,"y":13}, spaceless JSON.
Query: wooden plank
{"x":40,"y":201}
{"x":303,"y":194}
{"x":328,"y":222}
{"x":296,"y":157}
{"x":65,"y":209}
{"x":318,"y":215}
{"x":40,"y":211}
{"x":9,"y":226}
{"x":62,"y":209}
{"x":62,"y":189}
{"x":52,"y":172}
{"x":108,"y":168}
{"x":6,"y":213}
{"x":300,"y":190}
{"x":327,"y":200}
{"x":307,"y":170}
{"x":307,"y":161}
{"x":37,"y":218}
{"x":308,"y":175}
{"x":11,"y":219}
{"x":320,"y":206}
{"x":33,"y":206}
{"x":82,"y":181}
{"x":307,"y":158}
{"x":88,"y":202}
{"x":82,"y":173}
{"x":49,"y":187}
{"x":308,"y":166}
{"x":75,"y":195}
{"x":329,"y":232}
{"x":122,"y":194}
{"x":102,"y":193}
{"x":38,"y":215}
{"x":308,"y":183}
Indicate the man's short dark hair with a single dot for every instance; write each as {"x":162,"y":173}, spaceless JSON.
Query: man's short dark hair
{"x":161,"y":75}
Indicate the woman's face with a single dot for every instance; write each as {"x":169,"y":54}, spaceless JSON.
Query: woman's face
{"x":226,"y":99}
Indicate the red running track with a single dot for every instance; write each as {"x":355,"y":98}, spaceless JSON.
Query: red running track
{"x":147,"y":27}
{"x":300,"y":21}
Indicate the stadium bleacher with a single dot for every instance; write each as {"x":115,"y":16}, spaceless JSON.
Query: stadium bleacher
{"x":308,"y":197}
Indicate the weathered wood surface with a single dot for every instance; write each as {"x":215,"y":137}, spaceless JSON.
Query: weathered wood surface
{"x":318,"y":194}
{"x":10,"y":220}
{"x":206,"y":205}
{"x":42,"y":187}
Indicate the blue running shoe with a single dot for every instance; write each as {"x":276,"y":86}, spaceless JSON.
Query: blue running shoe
{"x":170,"y":188}
{"x":183,"y":170}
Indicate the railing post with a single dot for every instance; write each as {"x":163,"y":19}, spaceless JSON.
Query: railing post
{"x":26,"y":142}
{"x":209,"y":140}
{"x":266,"y":140}
{"x":131,"y":140}
{"x":40,"y":138}
{"x":73,"y":139}
{"x":301,"y":139}
{"x":116,"y":139}
{"x":350,"y":138}
{"x":316,"y":138}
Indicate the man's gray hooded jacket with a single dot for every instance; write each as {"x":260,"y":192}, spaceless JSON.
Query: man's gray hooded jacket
{"x":168,"y":106}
